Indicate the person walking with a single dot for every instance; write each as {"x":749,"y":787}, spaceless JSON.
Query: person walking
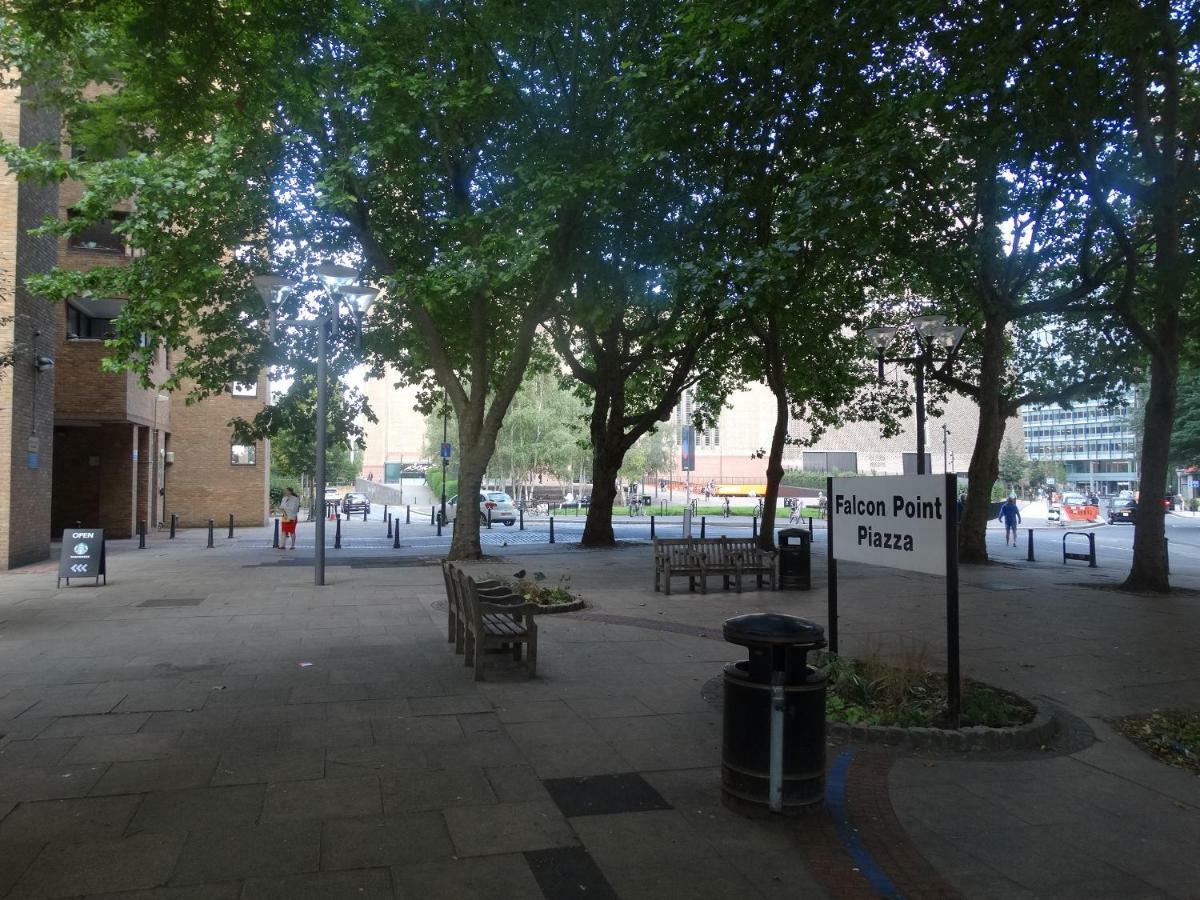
{"x":1010,"y":515}
{"x":289,"y":507}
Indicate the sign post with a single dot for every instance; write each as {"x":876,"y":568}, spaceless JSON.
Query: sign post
{"x":903,"y":522}
{"x":82,"y":555}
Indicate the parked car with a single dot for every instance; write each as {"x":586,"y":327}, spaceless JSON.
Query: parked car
{"x":1122,"y":511}
{"x":355,"y":502}
{"x":497,"y":502}
{"x":331,"y":493}
{"x":582,"y":503}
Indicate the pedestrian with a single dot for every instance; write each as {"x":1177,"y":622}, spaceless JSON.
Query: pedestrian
{"x":1011,"y":517}
{"x":289,"y":508}
{"x":822,"y":503}
{"x":725,"y":507}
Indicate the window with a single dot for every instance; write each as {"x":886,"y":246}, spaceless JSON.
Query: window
{"x":101,"y":236}
{"x":82,"y":326}
{"x":243,"y":389}
{"x":242,"y":454}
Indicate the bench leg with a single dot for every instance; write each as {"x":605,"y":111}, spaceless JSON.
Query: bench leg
{"x":516,"y":651}
{"x":667,"y":581}
{"x":531,"y":652}
{"x":451,"y":626}
{"x":479,"y":659}
{"x":704,"y":582}
{"x":460,"y":635}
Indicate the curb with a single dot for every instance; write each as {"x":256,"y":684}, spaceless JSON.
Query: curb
{"x":1029,"y":736}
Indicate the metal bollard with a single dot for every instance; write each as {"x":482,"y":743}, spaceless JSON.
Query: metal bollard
{"x":142,"y":534}
{"x":810,"y":531}
{"x":1029,"y":557}
{"x":432,"y":515}
{"x":754,"y":527}
{"x":174,"y":522}
{"x":489,"y":517}
{"x":552,"y":529}
{"x":364,"y":515}
{"x":385,"y":512}
{"x":439,"y":526}
{"x":521,"y":517}
{"x":275,"y":539}
{"x":651,"y":527}
{"x":702,"y":523}
{"x":231,"y":525}
{"x":337,"y":535}
{"x":210,"y":534}
{"x":389,"y":524}
{"x":408,"y":515}
{"x":1166,"y":557}
{"x":396,"y":538}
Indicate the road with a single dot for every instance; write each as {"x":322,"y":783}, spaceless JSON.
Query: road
{"x":1114,"y":543}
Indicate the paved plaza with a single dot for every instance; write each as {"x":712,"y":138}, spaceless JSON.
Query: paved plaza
{"x":212,"y":725}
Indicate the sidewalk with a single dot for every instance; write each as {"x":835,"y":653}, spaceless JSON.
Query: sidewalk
{"x":213,"y":725}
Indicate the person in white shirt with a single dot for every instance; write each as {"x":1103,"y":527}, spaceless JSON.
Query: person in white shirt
{"x":289,"y":507}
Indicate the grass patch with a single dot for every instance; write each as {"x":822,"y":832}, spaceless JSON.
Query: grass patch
{"x":869,"y":691}
{"x":1171,"y":735}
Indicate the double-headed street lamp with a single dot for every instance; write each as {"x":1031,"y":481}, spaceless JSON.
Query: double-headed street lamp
{"x":339,"y":285}
{"x":932,"y":333}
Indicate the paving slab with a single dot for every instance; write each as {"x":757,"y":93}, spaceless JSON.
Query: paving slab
{"x":404,"y":839}
{"x":507,"y":828}
{"x":97,"y":867}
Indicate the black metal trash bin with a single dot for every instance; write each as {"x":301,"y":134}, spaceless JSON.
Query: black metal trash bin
{"x":795,"y":559}
{"x":773,"y":746}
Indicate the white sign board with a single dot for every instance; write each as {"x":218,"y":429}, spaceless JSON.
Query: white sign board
{"x":897,"y":521}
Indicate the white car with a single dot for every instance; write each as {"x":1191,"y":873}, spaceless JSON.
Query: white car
{"x":497,"y":502}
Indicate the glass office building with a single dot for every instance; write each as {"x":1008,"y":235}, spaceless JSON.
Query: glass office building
{"x":1094,"y":440}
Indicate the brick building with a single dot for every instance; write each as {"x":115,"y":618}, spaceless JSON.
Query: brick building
{"x":78,"y":444}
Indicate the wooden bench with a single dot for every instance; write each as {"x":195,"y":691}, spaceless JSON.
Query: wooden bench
{"x":676,"y":556}
{"x":456,"y":604}
{"x":491,"y":619}
{"x":731,"y":558}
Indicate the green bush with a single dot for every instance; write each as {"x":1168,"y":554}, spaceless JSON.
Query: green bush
{"x":797,"y":478}
{"x":434,"y":479}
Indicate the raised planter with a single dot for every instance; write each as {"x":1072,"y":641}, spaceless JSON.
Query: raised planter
{"x":1028,"y":736}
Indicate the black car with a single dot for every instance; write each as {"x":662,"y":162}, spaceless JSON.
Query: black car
{"x":354,"y":502}
{"x":1122,"y":511}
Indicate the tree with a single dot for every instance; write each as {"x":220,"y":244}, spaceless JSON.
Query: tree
{"x":541,"y":433}
{"x":1126,"y":89}
{"x":1012,"y":466}
{"x":764,"y":104}
{"x":450,"y":147}
{"x":1185,"y":438}
{"x":991,"y":227}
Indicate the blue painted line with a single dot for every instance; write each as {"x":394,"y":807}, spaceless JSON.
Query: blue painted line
{"x":835,"y":800}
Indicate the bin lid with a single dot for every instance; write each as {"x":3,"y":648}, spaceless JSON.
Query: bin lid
{"x":754,"y":629}
{"x":802,"y":533}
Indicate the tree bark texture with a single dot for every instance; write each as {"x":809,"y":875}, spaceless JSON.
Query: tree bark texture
{"x":1149,"y":569}
{"x":985,"y":459}
{"x":775,"y":380}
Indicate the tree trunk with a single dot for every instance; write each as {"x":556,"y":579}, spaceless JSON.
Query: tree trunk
{"x":766,"y":531}
{"x":606,"y":464}
{"x":465,"y":544}
{"x":1149,"y":569}
{"x":985,"y":460}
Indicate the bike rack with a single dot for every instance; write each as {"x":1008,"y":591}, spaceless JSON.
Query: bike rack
{"x":1090,"y":556}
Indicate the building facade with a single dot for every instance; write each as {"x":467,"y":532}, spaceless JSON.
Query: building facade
{"x":397,"y":439}
{"x":734,"y":450}
{"x":1095,"y":441}
{"x":81,"y":446}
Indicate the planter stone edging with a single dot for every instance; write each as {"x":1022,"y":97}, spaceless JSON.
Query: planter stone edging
{"x":1031,"y":735}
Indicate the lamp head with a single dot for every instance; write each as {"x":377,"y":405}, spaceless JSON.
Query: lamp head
{"x":272,"y":287}
{"x":881,"y":337}
{"x":360,"y":297}
{"x":334,"y":276}
{"x":948,"y":336}
{"x":42,"y":363}
{"x":927,"y":326}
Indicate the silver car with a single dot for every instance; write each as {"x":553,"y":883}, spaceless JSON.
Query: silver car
{"x":497,"y":502}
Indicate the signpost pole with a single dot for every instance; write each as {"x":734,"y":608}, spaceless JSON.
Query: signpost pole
{"x":831,"y":586}
{"x":954,"y":684}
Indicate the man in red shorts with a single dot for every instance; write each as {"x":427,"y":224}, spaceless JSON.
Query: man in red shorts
{"x":290,"y":507}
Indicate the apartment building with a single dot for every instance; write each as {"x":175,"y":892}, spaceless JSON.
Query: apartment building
{"x":81,"y":445}
{"x":1095,"y":441}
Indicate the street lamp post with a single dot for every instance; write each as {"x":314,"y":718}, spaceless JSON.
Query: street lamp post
{"x":339,"y":285}
{"x":932,"y":332}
